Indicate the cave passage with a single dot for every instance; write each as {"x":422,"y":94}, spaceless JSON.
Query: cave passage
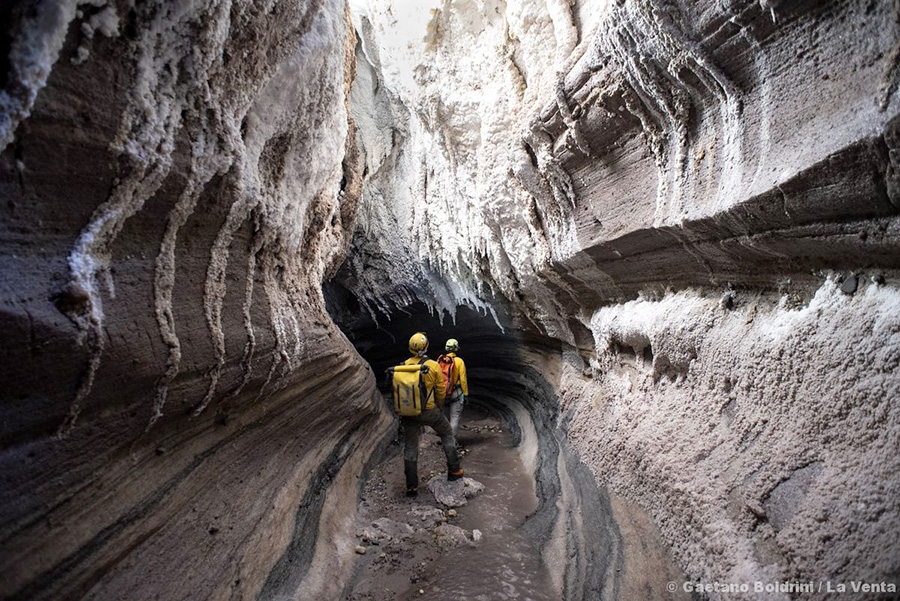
{"x":551,"y":514}
{"x":417,"y":548}
{"x":666,"y":234}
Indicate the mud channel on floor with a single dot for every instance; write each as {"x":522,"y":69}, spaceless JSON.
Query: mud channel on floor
{"x":417,"y":548}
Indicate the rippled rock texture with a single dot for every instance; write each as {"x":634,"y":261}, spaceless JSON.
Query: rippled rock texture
{"x":685,"y":212}
{"x":180,"y":417}
{"x":695,"y":206}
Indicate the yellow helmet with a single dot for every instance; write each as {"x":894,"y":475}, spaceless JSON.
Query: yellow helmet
{"x":418,"y":343}
{"x":452,"y":345}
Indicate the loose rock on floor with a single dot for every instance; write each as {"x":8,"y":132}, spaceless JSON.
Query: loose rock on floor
{"x":427,"y":544}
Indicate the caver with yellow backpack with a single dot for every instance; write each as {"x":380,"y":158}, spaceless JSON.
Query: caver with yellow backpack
{"x":418,"y":391}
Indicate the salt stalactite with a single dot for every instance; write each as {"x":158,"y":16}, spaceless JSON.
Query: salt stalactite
{"x":515,"y":73}
{"x":211,"y":154}
{"x":250,"y":347}
{"x":727,"y":97}
{"x":205,"y":163}
{"x":146,"y":138}
{"x":564,"y":29}
{"x":652,"y":51}
{"x":279,"y":354}
{"x":556,"y":209}
{"x":770,"y":6}
{"x":569,"y":119}
{"x":90,"y":259}
{"x":216,"y":286}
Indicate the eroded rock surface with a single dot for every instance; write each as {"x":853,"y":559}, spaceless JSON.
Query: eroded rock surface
{"x":180,"y":417}
{"x":690,"y":211}
{"x":682,"y":217}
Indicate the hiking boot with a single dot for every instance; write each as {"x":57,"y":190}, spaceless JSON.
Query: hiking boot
{"x":451,"y":476}
{"x":412,"y":492}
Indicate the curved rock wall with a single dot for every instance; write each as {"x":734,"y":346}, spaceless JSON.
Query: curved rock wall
{"x":180,"y":417}
{"x":699,"y":202}
{"x":690,"y":209}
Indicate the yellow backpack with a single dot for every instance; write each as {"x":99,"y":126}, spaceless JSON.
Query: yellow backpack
{"x":410,"y":396}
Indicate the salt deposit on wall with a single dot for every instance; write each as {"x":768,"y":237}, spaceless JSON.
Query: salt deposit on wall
{"x":758,"y":434}
{"x":449,"y":124}
{"x":675,"y":192}
{"x":230,"y":129}
{"x":671,"y":193}
{"x":177,"y":178}
{"x":540,"y":129}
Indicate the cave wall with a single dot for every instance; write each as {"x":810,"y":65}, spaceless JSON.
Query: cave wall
{"x":697,"y":202}
{"x":180,"y":417}
{"x":689,"y":208}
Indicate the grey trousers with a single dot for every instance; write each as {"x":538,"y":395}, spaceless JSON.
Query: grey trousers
{"x":412,"y":430}
{"x":453,"y":408}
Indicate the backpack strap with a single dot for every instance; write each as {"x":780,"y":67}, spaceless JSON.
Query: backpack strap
{"x":423,"y":388}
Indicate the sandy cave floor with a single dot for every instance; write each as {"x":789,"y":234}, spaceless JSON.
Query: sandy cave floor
{"x":409,"y":551}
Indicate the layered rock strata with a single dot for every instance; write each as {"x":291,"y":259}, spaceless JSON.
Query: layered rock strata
{"x":180,"y":417}
{"x":688,"y":209}
{"x":695,"y":206}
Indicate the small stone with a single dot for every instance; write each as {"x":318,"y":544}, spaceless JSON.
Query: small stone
{"x":213,"y":530}
{"x":850,"y":284}
{"x":360,"y":549}
{"x":456,"y":493}
{"x":421,"y":592}
{"x":477,"y":535}
{"x":451,"y":513}
{"x":448,"y":537}
{"x":389,"y":529}
{"x":428,"y":514}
